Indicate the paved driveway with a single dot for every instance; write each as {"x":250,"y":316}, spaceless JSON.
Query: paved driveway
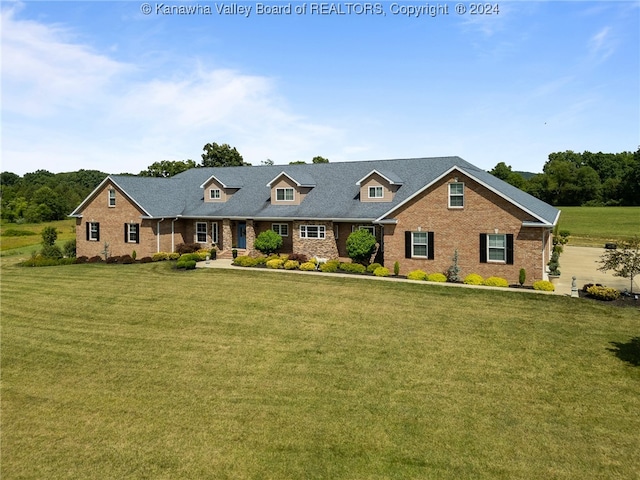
{"x":582,"y":262}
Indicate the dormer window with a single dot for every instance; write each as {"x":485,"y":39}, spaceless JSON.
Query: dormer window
{"x":284,"y":194}
{"x":376,"y":192}
{"x":215,"y":194}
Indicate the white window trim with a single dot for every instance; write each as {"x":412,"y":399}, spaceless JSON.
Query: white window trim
{"x":371,"y":228}
{"x":111,"y":198}
{"x":214,"y":232}
{"x":92,"y":237}
{"x":284,"y":191}
{"x":425,"y":243}
{"x":206,"y":232}
{"x":277,"y":227}
{"x":503,"y":248}
{"x":376,"y":189}
{"x":215,"y":194}
{"x":322,"y":231}
{"x":137,"y":230}
{"x":456,"y":195}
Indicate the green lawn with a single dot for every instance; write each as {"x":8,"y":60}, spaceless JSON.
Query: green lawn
{"x":21,"y":239}
{"x":594,"y":226}
{"x":141,"y":371}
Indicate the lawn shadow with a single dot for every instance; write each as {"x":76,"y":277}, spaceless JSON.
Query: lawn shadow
{"x":627,"y":352}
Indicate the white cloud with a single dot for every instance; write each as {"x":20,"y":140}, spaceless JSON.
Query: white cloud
{"x":71,"y":107}
{"x":601,"y":45}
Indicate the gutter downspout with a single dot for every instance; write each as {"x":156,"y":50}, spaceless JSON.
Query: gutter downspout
{"x":158,"y":236}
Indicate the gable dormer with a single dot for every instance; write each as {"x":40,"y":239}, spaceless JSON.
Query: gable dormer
{"x":287,"y":190}
{"x":217,"y":191}
{"x":377,"y":186}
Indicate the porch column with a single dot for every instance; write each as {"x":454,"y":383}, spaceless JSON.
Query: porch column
{"x":251,"y":236}
{"x":227,"y":235}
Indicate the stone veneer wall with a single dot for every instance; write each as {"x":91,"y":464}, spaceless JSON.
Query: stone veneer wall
{"x":315,"y":247}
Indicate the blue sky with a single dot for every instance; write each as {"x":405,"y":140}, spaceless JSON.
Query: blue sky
{"x":100,"y":85}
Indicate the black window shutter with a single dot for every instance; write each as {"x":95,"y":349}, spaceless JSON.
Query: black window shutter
{"x":407,"y":244}
{"x":88,"y":229}
{"x":125,"y":233}
{"x":137,"y":233}
{"x":98,"y":232}
{"x":483,"y":248}
{"x":510,"y":248}
{"x":430,"y":255}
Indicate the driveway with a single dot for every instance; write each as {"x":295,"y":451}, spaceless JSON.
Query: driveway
{"x":582,"y":262}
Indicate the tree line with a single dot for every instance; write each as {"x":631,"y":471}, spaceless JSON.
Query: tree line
{"x":568,"y":178}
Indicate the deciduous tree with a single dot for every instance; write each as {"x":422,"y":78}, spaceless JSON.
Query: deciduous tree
{"x":624,"y":261}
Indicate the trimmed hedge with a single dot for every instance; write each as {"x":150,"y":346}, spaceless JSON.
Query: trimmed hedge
{"x":436,"y":277}
{"x":417,"y":275}
{"x":544,"y":285}
{"x":381,"y":272}
{"x":371,"y":268}
{"x":353,"y":268}
{"x":473,"y":279}
{"x":330,"y":266}
{"x":307,"y":266}
{"x":275,"y":263}
{"x":291,"y":265}
{"x":603,"y":293}
{"x":495,"y":282}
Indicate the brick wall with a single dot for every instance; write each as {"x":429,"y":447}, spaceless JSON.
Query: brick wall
{"x":483,"y":212}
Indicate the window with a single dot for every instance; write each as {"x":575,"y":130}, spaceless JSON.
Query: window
{"x":93,"y":231}
{"x":131,"y":233}
{"x":201,"y":232}
{"x":214,"y":194}
{"x":284,"y":194}
{"x":376,"y":192}
{"x":112,"y":197}
{"x":312,"y":231}
{"x":370,"y":228}
{"x":419,"y":245}
{"x":456,"y":195}
{"x":281,"y":229}
{"x":214,"y":232}
{"x":496,"y":248}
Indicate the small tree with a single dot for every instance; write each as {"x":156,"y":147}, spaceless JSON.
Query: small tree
{"x":453,"y":272}
{"x":624,"y":261}
{"x":49,"y":247}
{"x":360,"y":246}
{"x":268,"y":242}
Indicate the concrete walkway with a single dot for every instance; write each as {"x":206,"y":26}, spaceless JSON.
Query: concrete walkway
{"x":582,"y":262}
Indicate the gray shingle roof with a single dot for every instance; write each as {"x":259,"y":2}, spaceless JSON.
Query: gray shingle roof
{"x":334,"y":196}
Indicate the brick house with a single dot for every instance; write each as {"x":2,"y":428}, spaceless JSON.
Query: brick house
{"x":420,"y":210}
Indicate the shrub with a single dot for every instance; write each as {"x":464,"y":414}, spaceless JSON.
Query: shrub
{"x":417,"y":275}
{"x":330,"y":266}
{"x":522,"y":276}
{"x":182,"y":248}
{"x":145,"y":260}
{"x":245,"y":261}
{"x":134,"y":254}
{"x":291,"y":265}
{"x":127,"y":259}
{"x":95,"y":259}
{"x":174,"y":256}
{"x":299,"y":257}
{"x":186,"y":257}
{"x":46,"y":262}
{"x":160,"y":256}
{"x":82,"y":259}
{"x":371,"y":268}
{"x":113,"y":259}
{"x":51,"y":251}
{"x":495,"y":282}
{"x":396,"y":269}
{"x":544,"y":285}
{"x":307,"y":266}
{"x":186,"y":264}
{"x":275,"y":263}
{"x":49,"y":236}
{"x":360,"y":245}
{"x":453,"y":272}
{"x":381,"y":272}
{"x":69,"y":248}
{"x":268,"y":242}
{"x":436,"y":277}
{"x":352,"y":267}
{"x":603,"y":293}
{"x":473,"y":279}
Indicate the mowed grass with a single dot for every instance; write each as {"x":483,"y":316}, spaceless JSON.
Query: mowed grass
{"x":24,"y":244}
{"x":594,"y":226}
{"x":140,"y":371}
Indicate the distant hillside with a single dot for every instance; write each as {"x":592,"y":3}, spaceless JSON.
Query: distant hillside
{"x":526,"y":175}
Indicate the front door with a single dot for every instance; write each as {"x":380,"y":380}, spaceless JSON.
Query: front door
{"x":242,"y":235}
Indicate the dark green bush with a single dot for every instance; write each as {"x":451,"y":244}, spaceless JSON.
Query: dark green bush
{"x":360,"y":246}
{"x":183,"y":248}
{"x":51,"y":251}
{"x":268,"y":242}
{"x":69,"y":248}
